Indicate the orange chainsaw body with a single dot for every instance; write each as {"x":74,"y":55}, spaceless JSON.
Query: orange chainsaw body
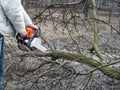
{"x":30,"y":32}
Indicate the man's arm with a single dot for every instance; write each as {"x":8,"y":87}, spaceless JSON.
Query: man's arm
{"x":16,"y":15}
{"x":27,"y":19}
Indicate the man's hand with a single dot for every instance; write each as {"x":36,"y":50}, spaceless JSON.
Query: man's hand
{"x":30,"y":26}
{"x":33,"y":26}
{"x":23,"y":34}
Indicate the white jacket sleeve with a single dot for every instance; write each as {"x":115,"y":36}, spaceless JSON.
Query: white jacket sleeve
{"x":27,"y":19}
{"x":16,"y":15}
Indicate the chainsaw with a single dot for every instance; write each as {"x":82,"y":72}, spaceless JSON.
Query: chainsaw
{"x":30,"y":41}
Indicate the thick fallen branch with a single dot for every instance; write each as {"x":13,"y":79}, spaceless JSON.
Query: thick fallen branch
{"x":105,"y":69}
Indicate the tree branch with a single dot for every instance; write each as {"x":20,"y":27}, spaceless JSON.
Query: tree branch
{"x":51,"y":5}
{"x":105,"y":69}
{"x":96,"y":48}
